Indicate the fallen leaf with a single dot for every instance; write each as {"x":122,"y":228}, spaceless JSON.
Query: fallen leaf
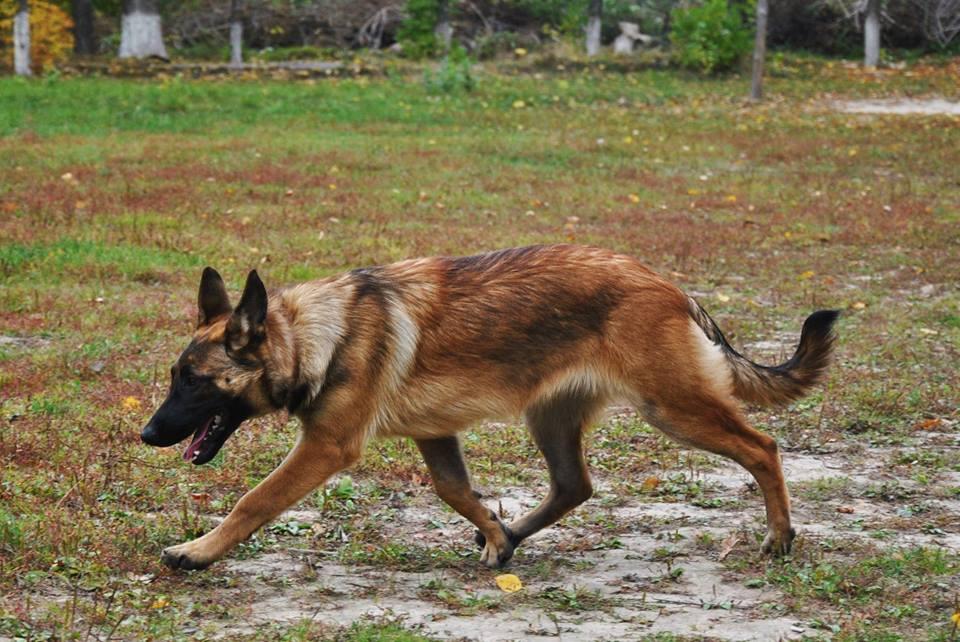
{"x":508,"y":583}
{"x":650,"y":483}
{"x":928,"y":424}
{"x":727,"y":546}
{"x":858,"y":305}
{"x":131,"y":403}
{"x":845,"y":509}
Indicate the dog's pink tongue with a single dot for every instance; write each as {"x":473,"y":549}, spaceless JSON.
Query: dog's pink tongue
{"x":196,"y":442}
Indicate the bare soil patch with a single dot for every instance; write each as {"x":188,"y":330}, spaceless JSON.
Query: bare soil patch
{"x":901,"y":106}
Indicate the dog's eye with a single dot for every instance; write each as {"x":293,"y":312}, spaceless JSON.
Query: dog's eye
{"x":190,"y":379}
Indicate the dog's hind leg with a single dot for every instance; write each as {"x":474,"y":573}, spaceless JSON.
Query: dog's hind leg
{"x":451,"y":479}
{"x":718,"y":427}
{"x":557,"y":425}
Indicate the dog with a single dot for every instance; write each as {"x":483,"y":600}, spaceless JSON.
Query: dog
{"x":426,"y":347}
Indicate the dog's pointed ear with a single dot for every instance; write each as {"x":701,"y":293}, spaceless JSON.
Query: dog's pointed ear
{"x":212,"y":301}
{"x":246,"y":328}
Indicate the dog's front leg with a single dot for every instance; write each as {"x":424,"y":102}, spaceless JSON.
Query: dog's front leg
{"x":307,"y":466}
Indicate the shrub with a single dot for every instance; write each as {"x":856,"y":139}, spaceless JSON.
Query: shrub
{"x":453,"y":75}
{"x":711,"y":37}
{"x":51,"y":38}
{"x":416,"y":34}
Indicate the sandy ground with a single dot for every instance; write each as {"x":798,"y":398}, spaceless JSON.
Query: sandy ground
{"x":637,"y":595}
{"x":902,"y":106}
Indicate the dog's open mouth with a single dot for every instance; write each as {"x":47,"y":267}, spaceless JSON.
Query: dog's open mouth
{"x":209,"y":438}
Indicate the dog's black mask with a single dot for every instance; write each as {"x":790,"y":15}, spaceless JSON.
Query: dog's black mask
{"x":195,"y":406}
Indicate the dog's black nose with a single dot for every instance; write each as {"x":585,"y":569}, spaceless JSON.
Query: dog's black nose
{"x":149,"y":435}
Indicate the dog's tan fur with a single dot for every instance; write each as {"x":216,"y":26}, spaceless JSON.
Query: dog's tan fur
{"x":425,"y":348}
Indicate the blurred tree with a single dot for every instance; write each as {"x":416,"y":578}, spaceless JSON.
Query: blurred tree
{"x":141,"y":35}
{"x":236,"y":34}
{"x":594,"y":25}
{"x":759,"y":51}
{"x":444,"y":30}
{"x":21,"y":39}
{"x":84,"y":38}
{"x":941,"y":19}
{"x":871,"y":34}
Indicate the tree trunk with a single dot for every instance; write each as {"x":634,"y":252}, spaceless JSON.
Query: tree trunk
{"x":21,"y":39}
{"x":84,"y":39}
{"x":759,"y":51}
{"x":594,"y":22}
{"x":236,"y":35}
{"x":443,"y":30}
{"x":871,"y":35}
{"x":141,"y":35}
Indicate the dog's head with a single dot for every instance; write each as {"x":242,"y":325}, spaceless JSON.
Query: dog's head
{"x":218,"y":381}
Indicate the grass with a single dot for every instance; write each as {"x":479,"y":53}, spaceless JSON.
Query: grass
{"x":113,"y":195}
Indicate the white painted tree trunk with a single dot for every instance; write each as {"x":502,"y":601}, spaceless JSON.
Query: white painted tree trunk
{"x":141,"y":35}
{"x":236,"y":43}
{"x":594,"y":22}
{"x":871,"y":35}
{"x":759,"y":51}
{"x":443,"y":29}
{"x":21,"y":41}
{"x":236,"y":35}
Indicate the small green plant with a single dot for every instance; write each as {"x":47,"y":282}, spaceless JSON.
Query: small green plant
{"x":453,"y":75}
{"x":11,"y":534}
{"x":711,"y":37}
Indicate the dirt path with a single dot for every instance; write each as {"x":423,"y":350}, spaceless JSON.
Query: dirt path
{"x":662,"y":572}
{"x":902,"y":106}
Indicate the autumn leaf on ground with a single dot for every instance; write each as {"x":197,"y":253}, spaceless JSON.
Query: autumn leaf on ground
{"x":508,"y":583}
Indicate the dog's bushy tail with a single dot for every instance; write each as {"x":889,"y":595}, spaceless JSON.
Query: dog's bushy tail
{"x":774,"y":385}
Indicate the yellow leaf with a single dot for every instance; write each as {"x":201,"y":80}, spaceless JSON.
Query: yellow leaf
{"x":723,"y":298}
{"x":859,"y":305}
{"x":634,"y":198}
{"x":806,"y":275}
{"x":508,"y":583}
{"x":519,"y":104}
{"x":160,"y":602}
{"x":131,"y":403}
{"x":520,"y":52}
{"x":650,"y":483}
{"x":955,"y":618}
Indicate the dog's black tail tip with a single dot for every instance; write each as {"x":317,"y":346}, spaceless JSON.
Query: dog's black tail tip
{"x":819,"y":325}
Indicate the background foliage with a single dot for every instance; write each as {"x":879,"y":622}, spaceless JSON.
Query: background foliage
{"x":51,"y":38}
{"x":713,"y":36}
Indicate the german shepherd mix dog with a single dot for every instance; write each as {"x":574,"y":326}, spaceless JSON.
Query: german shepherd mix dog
{"x":425,"y":348}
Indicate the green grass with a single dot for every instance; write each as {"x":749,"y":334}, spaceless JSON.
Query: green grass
{"x":114,"y":194}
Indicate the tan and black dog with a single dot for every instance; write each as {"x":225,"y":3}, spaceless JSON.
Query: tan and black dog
{"x":425,"y":348}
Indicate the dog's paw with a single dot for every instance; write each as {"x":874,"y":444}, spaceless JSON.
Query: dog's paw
{"x":481,"y":540}
{"x":494,"y":556}
{"x":180,"y":558}
{"x":778,"y":544}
